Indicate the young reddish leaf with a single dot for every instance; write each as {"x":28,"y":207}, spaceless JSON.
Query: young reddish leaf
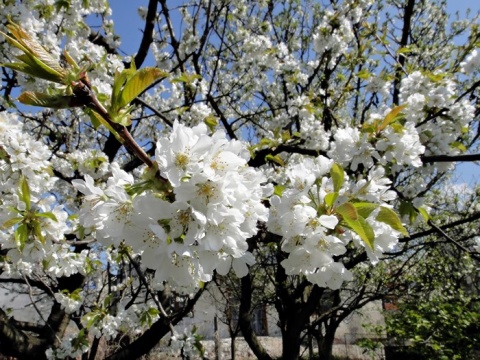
{"x":49,"y":101}
{"x":30,"y":46}
{"x":391,"y":116}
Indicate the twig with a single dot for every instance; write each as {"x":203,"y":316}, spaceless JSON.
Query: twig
{"x":30,"y":295}
{"x":147,"y":287}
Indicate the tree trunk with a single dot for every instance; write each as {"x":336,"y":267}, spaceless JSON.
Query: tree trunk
{"x":291,"y":344}
{"x":218,"y":341}
{"x":245,"y":320}
{"x":325,"y":346}
{"x":232,"y":347}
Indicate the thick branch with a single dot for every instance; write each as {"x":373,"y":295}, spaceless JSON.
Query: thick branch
{"x":245,"y":320}
{"x":443,"y":227}
{"x":147,"y":38}
{"x":260,"y":155}
{"x":407,"y":23}
{"x":450,"y":158}
{"x":15,"y":342}
{"x":152,"y":336}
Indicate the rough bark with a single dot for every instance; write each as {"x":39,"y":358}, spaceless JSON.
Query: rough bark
{"x":245,"y":320}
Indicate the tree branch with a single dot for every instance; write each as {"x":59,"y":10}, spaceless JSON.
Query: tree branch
{"x":147,"y":38}
{"x":450,"y":158}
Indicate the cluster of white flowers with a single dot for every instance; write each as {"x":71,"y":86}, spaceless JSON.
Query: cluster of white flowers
{"x":472,"y":62}
{"x":424,"y":96}
{"x":312,"y":236}
{"x":334,"y":35}
{"x":193,"y":218}
{"x":353,"y":147}
{"x":335,"y":31}
{"x":133,"y":319}
{"x":66,"y":350}
{"x":476,"y":247}
{"x":215,"y":208}
{"x":21,"y":157}
{"x":69,"y":304}
{"x":187,"y":343}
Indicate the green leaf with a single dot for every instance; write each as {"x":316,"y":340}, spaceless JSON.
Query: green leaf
{"x":278,"y":190}
{"x":154,"y":312}
{"x":11,"y":222}
{"x":458,"y":145}
{"x":75,"y":295}
{"x":37,"y":231}
{"x":37,"y":60}
{"x":41,"y":69}
{"x":363,"y":229}
{"x":186,"y":78}
{"x":286,"y":136}
{"x":27,"y":69}
{"x":275,"y":158}
{"x":212,"y":122}
{"x":146,"y":318}
{"x":424,"y":214}
{"x":330,"y":198}
{"x":389,"y":217}
{"x":364,"y":74}
{"x":391,"y":116}
{"x":404,"y":50}
{"x":95,"y":118}
{"x":98,"y":120}
{"x":356,"y":223}
{"x":59,"y":4}
{"x":122,"y":117}
{"x":108,"y":300}
{"x":119,"y":81}
{"x":406,"y":208}
{"x":49,"y":101}
{"x":338,"y":176}
{"x":81,"y":341}
{"x":141,"y":80}
{"x":365,"y":209}
{"x":70,"y":61}
{"x":347,"y":211}
{"x":21,"y":236}
{"x":48,"y":215}
{"x":92,"y":318}
{"x":25,"y":192}
{"x":31,"y":47}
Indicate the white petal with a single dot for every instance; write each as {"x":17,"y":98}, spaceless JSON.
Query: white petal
{"x":329,"y":221}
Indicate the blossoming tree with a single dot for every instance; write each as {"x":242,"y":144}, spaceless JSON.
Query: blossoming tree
{"x":312,"y":130}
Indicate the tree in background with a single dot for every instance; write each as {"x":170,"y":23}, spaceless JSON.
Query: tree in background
{"x":433,"y":300}
{"x":290,"y":133}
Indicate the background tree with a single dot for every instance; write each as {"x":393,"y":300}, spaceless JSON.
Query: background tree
{"x":433,"y":301}
{"x":291,"y":131}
